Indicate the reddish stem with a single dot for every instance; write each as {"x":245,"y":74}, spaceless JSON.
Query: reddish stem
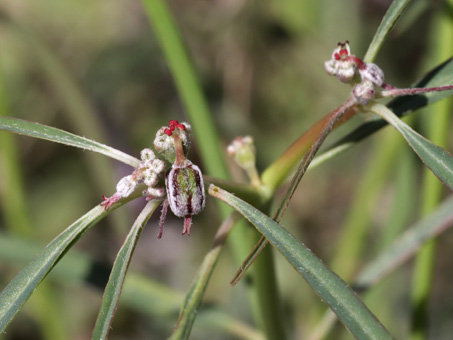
{"x":163,"y":217}
{"x":187,"y":225}
{"x":179,"y":151}
{"x":404,"y":92}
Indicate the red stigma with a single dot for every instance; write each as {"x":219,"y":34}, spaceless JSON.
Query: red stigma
{"x":173,"y":124}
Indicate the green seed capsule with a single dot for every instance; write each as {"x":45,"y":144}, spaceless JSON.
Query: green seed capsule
{"x":185,"y":191}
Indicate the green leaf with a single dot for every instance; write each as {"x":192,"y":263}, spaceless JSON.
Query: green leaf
{"x":140,"y":293}
{"x":22,"y":286}
{"x":52,"y":134}
{"x":388,"y":22}
{"x":331,"y":289}
{"x":195,"y":295}
{"x":438,"y":160}
{"x":406,"y":245}
{"x":114,"y":286}
{"x":401,"y":250}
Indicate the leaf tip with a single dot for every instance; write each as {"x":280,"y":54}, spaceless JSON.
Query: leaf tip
{"x":214,"y":190}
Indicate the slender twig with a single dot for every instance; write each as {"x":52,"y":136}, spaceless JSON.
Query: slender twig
{"x":396,"y":92}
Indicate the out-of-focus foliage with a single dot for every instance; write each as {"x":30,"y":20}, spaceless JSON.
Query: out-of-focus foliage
{"x":261,"y":67}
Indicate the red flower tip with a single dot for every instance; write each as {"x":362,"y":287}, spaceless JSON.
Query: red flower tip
{"x":173,"y":124}
{"x":343,"y":52}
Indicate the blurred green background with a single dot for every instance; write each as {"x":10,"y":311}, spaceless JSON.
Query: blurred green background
{"x":95,"y":68}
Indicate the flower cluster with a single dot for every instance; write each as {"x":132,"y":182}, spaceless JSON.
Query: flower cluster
{"x":150,"y":171}
{"x":184,"y":188}
{"x":367,"y":77}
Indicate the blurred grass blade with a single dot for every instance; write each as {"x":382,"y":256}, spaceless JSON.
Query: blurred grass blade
{"x":401,"y":106}
{"x":23,"y":285}
{"x":391,"y":17}
{"x":195,"y":295}
{"x":401,"y":250}
{"x":114,"y":286}
{"x":140,"y":293}
{"x":438,"y":160}
{"x":331,"y":289}
{"x":406,"y":245}
{"x":188,"y":85}
{"x":52,"y":134}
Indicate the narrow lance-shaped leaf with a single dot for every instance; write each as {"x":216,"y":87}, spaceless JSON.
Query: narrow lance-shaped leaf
{"x":402,"y":249}
{"x":114,"y":286}
{"x":22,"y":286}
{"x":438,"y":160}
{"x":332,"y":289}
{"x":140,"y":292}
{"x":388,"y":22}
{"x":195,"y":295}
{"x":52,"y":134}
{"x":16,"y":293}
{"x":406,"y":245}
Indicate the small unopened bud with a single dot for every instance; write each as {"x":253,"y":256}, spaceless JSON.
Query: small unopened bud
{"x":364,"y":92}
{"x":150,"y":178}
{"x":126,"y":186}
{"x":242,"y":149}
{"x":147,"y":155}
{"x":151,"y":193}
{"x":156,"y":165}
{"x":373,"y":73}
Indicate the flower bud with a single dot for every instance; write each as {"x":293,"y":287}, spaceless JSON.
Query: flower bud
{"x":364,"y":92}
{"x":147,"y":155}
{"x":126,"y":186}
{"x":150,"y":178}
{"x":373,"y":73}
{"x":243,"y":151}
{"x":164,"y":141}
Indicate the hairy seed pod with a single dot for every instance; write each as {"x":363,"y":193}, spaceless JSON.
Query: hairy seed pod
{"x":185,"y":189}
